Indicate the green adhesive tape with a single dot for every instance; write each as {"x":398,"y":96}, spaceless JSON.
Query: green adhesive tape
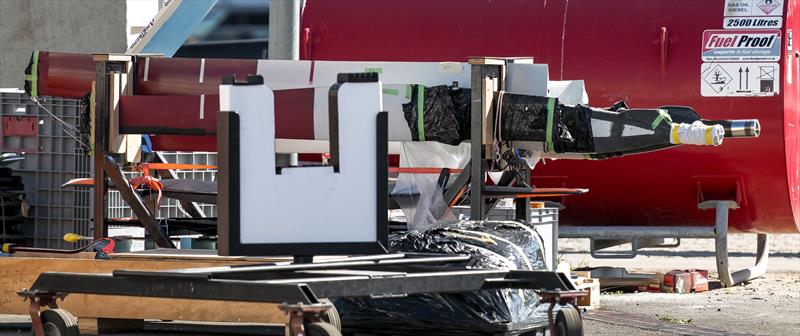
{"x":391,"y":92}
{"x":420,"y":114}
{"x":35,"y":74}
{"x":551,"y":106}
{"x":662,"y":115}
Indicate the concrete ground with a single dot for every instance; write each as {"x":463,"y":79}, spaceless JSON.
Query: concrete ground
{"x":766,"y":306}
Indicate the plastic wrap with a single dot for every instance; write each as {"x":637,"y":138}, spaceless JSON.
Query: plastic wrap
{"x":578,"y":121}
{"x":438,"y":114}
{"x":525,"y":118}
{"x":85,"y":127}
{"x":496,"y":244}
{"x":697,"y":133}
{"x":446,"y":118}
{"x":527,"y":239}
{"x":462,"y":104}
{"x":419,"y":195}
{"x":426,"y":206}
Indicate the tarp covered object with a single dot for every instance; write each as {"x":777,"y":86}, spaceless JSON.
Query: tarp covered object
{"x":495,"y":244}
{"x":445,"y":112}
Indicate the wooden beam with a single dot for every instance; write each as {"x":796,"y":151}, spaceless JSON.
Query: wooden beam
{"x":112,"y":58}
{"x":18,"y":272}
{"x":136,"y":203}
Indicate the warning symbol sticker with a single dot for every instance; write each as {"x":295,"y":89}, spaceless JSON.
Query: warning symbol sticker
{"x":766,"y":72}
{"x":718,"y":79}
{"x":768,"y":6}
{"x":739,"y":79}
{"x":753,"y":7}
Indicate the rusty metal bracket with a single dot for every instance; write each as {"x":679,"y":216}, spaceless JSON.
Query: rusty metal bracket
{"x":301,"y":314}
{"x":37,"y":301}
{"x":561,"y":298}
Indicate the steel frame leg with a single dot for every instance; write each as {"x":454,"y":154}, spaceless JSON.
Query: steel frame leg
{"x":721,"y":244}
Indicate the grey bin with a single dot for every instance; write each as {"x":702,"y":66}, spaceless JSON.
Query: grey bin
{"x":58,"y":158}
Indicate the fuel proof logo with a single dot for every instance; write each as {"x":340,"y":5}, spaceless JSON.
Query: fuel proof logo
{"x":721,"y":45}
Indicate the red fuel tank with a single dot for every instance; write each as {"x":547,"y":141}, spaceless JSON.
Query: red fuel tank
{"x":650,"y":53}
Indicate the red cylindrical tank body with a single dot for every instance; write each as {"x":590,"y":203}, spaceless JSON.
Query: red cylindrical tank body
{"x":647,"y":52}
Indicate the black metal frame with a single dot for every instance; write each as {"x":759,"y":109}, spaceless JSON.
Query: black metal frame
{"x":303,"y":285}
{"x":229,"y":226}
{"x":488,"y":70}
{"x":389,"y":275}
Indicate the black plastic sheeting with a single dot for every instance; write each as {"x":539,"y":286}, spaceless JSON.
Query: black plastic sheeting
{"x":446,"y":116}
{"x":578,"y":121}
{"x":85,"y":126}
{"x":28,"y":85}
{"x":525,"y":118}
{"x":495,"y":244}
{"x":441,"y":117}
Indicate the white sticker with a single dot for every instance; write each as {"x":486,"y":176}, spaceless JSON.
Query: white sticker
{"x":749,"y":22}
{"x":739,"y":79}
{"x":754,"y":7}
{"x":741,"y":45}
{"x":789,"y":51}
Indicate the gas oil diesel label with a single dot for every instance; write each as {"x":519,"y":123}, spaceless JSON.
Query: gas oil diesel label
{"x":739,"y":79}
{"x":753,"y":45}
{"x":750,"y":22}
{"x":754,"y":7}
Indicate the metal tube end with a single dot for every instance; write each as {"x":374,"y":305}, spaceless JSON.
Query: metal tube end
{"x":744,"y":128}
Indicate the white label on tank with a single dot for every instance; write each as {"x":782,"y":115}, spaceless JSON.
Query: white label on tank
{"x":753,"y":7}
{"x":789,"y":54}
{"x":741,"y":45}
{"x":739,"y":79}
{"x":749,"y":22}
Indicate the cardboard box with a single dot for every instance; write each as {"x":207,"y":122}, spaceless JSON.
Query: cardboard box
{"x":592,"y":288}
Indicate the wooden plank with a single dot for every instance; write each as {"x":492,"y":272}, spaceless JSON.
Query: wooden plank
{"x":79,"y":255}
{"x":17,"y":273}
{"x":487,"y":60}
{"x":116,"y":142}
{"x":112,"y":58}
{"x":489,"y":87}
{"x":127,"y":144}
{"x":87,"y":325}
{"x":590,"y":286}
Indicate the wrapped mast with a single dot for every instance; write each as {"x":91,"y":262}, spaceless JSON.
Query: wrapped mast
{"x":543,"y":124}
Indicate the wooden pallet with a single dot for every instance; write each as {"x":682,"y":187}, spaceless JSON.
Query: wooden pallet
{"x":591,"y":286}
{"x":20,"y":272}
